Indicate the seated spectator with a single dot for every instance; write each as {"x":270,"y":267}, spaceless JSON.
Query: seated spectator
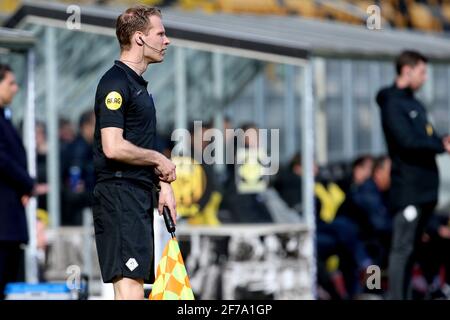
{"x":196,"y":191}
{"x":366,"y":205}
{"x":243,"y":200}
{"x":288,"y":183}
{"x":432,"y":256}
{"x":336,"y":235}
{"x":361,"y":172}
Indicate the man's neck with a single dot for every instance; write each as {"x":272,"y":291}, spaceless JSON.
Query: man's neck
{"x":401,"y":83}
{"x":135,"y":61}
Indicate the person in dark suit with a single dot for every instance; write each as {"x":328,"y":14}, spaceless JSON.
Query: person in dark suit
{"x":413,"y":144}
{"x":16,"y":186}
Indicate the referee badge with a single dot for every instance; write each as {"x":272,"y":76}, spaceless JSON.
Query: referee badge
{"x":132,"y":264}
{"x":113,"y":100}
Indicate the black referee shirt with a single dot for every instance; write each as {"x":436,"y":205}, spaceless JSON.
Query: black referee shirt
{"x":122,"y":101}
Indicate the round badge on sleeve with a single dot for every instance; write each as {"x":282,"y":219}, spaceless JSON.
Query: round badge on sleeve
{"x":113,"y":100}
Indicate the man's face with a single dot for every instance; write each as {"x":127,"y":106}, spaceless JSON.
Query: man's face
{"x":382,"y":176}
{"x":362,"y":172}
{"x":156,"y":38}
{"x":88,"y":130}
{"x":66,"y":133}
{"x":8,"y":89}
{"x":417,"y":75}
{"x":40,"y":135}
{"x":251,"y":138}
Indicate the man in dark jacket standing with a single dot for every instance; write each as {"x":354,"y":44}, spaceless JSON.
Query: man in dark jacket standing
{"x":412,"y":144}
{"x":15,"y":186}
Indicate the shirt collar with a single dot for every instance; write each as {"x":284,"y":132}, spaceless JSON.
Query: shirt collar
{"x":404,"y":91}
{"x":131,"y":72}
{"x":5,"y":113}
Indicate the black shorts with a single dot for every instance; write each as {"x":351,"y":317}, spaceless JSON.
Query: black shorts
{"x":123,"y":222}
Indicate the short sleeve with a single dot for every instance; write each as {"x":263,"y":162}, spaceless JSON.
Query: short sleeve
{"x":112,"y":98}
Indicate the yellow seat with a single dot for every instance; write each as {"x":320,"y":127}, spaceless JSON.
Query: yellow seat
{"x":8,"y":6}
{"x":445,"y":9}
{"x":208,"y":5}
{"x":305,"y":8}
{"x":251,"y":6}
{"x":422,"y":18}
{"x":332,"y":11}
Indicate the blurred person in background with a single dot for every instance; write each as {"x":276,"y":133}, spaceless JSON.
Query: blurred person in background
{"x":41,"y":165}
{"x":196,"y":189}
{"x":413,"y":144}
{"x":433,"y":257}
{"x":66,"y":134}
{"x":243,"y":201}
{"x":362,"y":169}
{"x":361,"y":173}
{"x":366,"y":204}
{"x":79,"y":175}
{"x":337,"y":240}
{"x":16,"y":186}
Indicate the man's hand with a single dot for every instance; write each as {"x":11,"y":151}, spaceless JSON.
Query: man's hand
{"x":41,"y":189}
{"x":25,"y":199}
{"x":446,"y":143}
{"x":166,"y":198}
{"x":165,"y":170}
{"x":444,"y":232}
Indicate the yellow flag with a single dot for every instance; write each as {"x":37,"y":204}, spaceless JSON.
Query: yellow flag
{"x":172,"y":281}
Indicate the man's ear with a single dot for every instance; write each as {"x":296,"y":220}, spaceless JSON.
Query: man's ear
{"x":138,"y":39}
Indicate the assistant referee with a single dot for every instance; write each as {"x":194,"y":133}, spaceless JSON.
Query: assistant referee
{"x":128,"y":170}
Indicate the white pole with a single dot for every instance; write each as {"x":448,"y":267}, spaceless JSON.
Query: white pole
{"x":31,"y":267}
{"x":52,"y":127}
{"x":307,"y":118}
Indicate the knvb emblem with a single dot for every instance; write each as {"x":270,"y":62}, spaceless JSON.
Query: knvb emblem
{"x":132,"y":264}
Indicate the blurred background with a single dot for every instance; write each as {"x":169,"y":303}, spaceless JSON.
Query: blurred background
{"x":309,"y":68}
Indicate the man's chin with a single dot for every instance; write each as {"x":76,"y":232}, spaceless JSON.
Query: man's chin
{"x":156,"y":60}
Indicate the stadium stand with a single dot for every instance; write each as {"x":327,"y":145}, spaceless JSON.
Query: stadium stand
{"x":423,"y":15}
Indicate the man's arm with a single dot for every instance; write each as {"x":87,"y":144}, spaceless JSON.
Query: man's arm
{"x":17,"y":176}
{"x":399,"y":125}
{"x":115,"y":147}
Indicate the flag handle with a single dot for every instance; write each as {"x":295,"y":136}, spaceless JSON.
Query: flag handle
{"x":170,"y":225}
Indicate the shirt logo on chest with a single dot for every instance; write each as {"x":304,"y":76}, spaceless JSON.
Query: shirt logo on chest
{"x":413,"y":114}
{"x":429,"y":129}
